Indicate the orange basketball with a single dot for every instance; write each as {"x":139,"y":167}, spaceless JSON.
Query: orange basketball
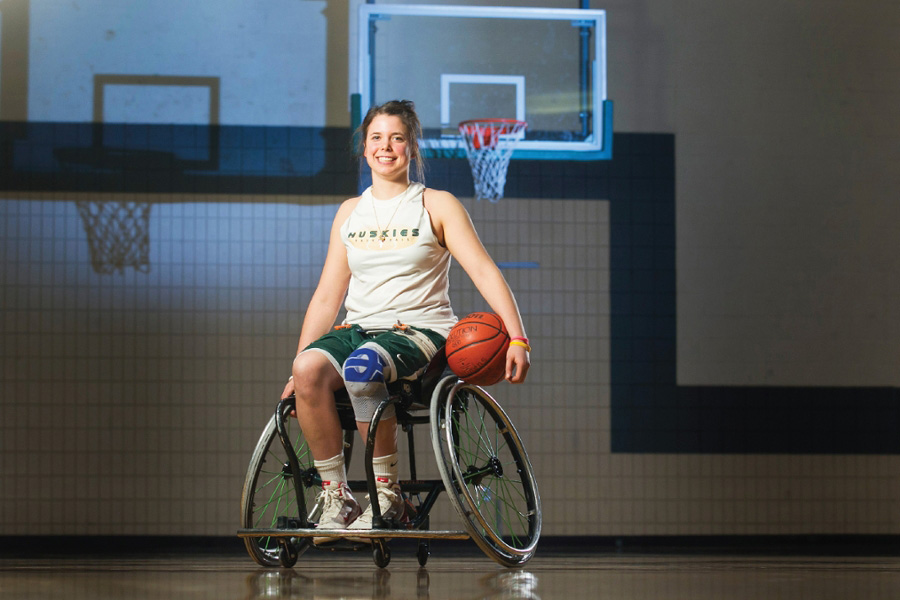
{"x":476,"y":349}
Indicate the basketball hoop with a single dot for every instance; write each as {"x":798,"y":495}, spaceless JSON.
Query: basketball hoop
{"x":118,"y":234}
{"x":489,"y":146}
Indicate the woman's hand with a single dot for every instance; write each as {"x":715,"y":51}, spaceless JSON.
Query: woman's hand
{"x":517,"y":363}
{"x":288,"y":389}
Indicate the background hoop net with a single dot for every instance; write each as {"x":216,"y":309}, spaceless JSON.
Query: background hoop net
{"x":489,"y":146}
{"x":118,"y":234}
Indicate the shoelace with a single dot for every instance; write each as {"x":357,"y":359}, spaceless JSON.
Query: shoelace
{"x":389,"y":494}
{"x":387,"y":498}
{"x":331,"y":497}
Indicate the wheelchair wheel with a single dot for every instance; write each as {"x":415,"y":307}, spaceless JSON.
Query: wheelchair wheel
{"x":486,"y":472}
{"x":269,"y":495}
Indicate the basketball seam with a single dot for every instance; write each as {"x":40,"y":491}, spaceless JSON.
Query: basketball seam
{"x":470,"y":344}
{"x":487,"y":364}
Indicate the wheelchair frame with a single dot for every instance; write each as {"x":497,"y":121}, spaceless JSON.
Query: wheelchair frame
{"x":483,"y":465}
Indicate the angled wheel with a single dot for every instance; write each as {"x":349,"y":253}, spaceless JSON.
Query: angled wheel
{"x":269,"y":494}
{"x":486,"y":471}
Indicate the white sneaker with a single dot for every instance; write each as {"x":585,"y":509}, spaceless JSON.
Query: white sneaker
{"x":391,"y":503}
{"x":339,"y":509}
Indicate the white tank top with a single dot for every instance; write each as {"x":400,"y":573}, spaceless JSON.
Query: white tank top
{"x":399,"y":271}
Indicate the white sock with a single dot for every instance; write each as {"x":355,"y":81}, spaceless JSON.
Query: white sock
{"x":387,"y":467}
{"x":332,"y":471}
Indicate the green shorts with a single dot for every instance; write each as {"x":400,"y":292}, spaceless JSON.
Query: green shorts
{"x":405,"y":351}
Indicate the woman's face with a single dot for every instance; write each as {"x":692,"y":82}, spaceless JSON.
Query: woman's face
{"x":387,"y":148}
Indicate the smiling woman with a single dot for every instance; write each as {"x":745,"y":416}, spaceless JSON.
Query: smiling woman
{"x":389,"y":255}
{"x":396,"y":122}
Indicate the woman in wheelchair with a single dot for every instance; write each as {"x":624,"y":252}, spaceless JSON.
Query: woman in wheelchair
{"x":388,"y":258}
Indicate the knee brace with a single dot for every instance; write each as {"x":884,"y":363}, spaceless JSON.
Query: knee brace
{"x":364,"y":378}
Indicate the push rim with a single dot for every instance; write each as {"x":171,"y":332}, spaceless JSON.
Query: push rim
{"x":487,"y":474}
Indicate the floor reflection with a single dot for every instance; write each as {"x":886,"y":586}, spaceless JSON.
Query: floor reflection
{"x":288,"y":583}
{"x":566,"y":576}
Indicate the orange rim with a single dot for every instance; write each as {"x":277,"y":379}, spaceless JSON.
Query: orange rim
{"x":472,"y":124}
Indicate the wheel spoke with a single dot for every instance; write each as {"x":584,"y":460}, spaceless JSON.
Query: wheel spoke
{"x":507,"y":510}
{"x":275,"y":501}
{"x":270,"y":492}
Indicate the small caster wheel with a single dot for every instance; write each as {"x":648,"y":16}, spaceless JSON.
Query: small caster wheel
{"x":422,"y":553}
{"x":287,"y":554}
{"x":381,"y":553}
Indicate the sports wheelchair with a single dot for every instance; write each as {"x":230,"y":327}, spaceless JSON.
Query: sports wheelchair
{"x":483,"y":468}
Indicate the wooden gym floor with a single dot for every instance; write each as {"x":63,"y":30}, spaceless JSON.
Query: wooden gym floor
{"x":457,"y":575}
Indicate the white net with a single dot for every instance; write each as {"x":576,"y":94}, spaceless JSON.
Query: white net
{"x":489,"y":146}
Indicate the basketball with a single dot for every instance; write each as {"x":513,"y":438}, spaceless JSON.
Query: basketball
{"x":476,"y":349}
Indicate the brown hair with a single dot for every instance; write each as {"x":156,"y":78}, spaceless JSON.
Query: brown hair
{"x":406,"y":111}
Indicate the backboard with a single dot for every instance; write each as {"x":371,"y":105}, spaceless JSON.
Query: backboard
{"x":540,"y":65}
{"x":125,"y":107}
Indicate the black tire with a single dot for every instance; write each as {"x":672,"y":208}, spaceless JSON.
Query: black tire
{"x":288,"y":554}
{"x":269,"y":491}
{"x":423,"y":551}
{"x":486,"y":471}
{"x":381,"y":553}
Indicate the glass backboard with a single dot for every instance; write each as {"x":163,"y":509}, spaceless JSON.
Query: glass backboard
{"x":544,"y":66}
